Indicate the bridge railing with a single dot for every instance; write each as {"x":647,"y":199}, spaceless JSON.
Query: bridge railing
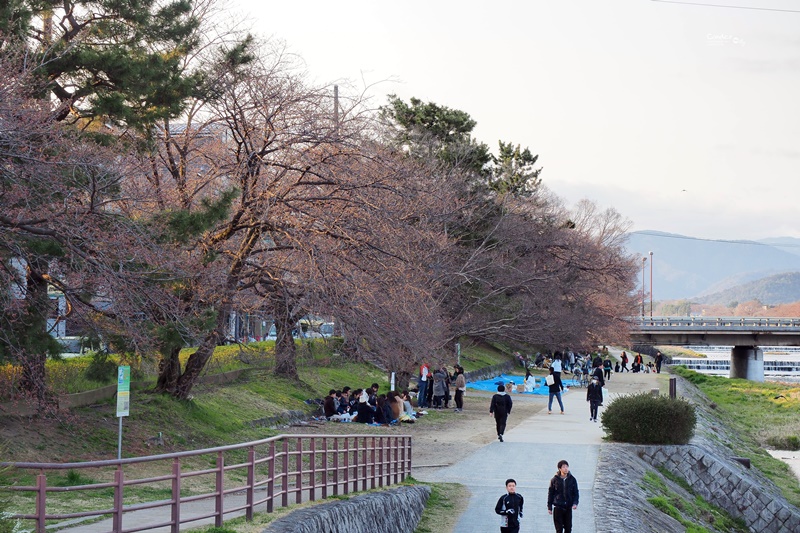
{"x":718,"y":323}
{"x":260,"y":473}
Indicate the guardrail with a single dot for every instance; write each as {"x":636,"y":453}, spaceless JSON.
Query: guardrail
{"x":282,"y":467}
{"x":717,"y":323}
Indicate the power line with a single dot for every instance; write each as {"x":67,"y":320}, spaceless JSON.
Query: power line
{"x":727,"y":6}
{"x":684,"y":237}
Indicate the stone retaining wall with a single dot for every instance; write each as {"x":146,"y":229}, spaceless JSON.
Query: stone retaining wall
{"x":491,"y":371}
{"x":726,"y":485}
{"x":390,"y":511}
{"x":706,"y":464}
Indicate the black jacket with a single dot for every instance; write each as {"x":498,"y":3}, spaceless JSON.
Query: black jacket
{"x":501,"y":404}
{"x":510,"y":505}
{"x":563,"y":492}
{"x":594,"y":392}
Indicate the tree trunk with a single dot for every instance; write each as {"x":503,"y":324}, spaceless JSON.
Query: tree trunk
{"x":402,"y":379}
{"x":194,"y":366}
{"x":169,"y":371}
{"x":34,"y":342}
{"x":285,"y":351}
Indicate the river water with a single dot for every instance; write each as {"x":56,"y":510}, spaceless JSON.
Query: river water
{"x":781,"y":363}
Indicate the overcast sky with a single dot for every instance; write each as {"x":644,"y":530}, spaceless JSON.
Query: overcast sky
{"x":684,"y":118}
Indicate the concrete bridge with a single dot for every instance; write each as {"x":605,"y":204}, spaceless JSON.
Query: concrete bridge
{"x":746,"y":335}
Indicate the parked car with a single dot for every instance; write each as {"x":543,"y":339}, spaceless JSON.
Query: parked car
{"x":326,"y":329}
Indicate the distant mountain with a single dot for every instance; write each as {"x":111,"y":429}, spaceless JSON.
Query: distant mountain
{"x":686,"y":267}
{"x":787,"y":244}
{"x":772,"y":290}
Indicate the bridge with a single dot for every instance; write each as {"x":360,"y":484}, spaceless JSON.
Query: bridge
{"x":744,"y":334}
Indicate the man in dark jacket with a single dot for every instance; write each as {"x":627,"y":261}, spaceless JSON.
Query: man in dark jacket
{"x":500,"y":408}
{"x":329,"y":404}
{"x":659,"y":360}
{"x":509,"y":507}
{"x":562,"y":498}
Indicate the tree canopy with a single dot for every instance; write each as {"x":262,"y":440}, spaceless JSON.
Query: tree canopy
{"x":161,"y":178}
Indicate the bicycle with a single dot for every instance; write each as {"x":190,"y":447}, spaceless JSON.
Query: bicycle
{"x":581,"y":377}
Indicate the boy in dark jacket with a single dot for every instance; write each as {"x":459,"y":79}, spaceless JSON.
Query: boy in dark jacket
{"x":594,"y":395}
{"x":500,"y":408}
{"x":509,"y":507}
{"x":562,"y":498}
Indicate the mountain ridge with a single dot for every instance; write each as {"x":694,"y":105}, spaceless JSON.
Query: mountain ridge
{"x":685,"y":267}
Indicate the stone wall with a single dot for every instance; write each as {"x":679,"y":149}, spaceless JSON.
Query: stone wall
{"x":727,"y":485}
{"x":390,"y":511}
{"x":706,"y":464}
{"x":491,"y":371}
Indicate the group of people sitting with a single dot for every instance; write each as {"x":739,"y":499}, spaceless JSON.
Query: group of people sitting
{"x":368,"y":407}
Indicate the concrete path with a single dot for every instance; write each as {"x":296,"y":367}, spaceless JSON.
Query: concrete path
{"x":529,"y":454}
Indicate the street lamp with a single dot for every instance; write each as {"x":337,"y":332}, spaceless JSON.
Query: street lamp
{"x":651,"y":284}
{"x":644,"y":260}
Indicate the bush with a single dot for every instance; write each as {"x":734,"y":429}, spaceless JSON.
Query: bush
{"x":647,"y":419}
{"x":102,"y":369}
{"x":790,"y":442}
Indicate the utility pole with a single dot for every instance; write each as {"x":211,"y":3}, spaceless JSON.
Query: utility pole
{"x":651,"y":284}
{"x":336,"y":110}
{"x":644,"y":261}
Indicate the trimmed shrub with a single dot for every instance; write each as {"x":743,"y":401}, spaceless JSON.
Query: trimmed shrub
{"x":647,"y":419}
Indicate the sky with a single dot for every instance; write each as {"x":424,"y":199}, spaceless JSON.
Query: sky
{"x":685,"y":118}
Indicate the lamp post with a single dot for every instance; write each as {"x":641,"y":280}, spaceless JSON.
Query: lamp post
{"x":651,"y":284}
{"x":644,"y":260}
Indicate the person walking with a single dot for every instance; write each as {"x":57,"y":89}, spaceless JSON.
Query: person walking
{"x":594,"y":395}
{"x":509,"y":507}
{"x":607,"y":368}
{"x":562,"y":498}
{"x":659,"y":360}
{"x":500,"y":408}
{"x":624,"y":358}
{"x":555,"y":391}
{"x":597,"y":372}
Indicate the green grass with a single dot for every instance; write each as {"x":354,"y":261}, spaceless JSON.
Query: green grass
{"x":477,"y":356}
{"x":759,"y":413}
{"x":215,"y":415}
{"x":442,"y":502}
{"x":678,"y":351}
{"x":695,"y":514}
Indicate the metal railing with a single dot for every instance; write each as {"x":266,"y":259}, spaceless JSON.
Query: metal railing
{"x":262,"y":473}
{"x":716,"y":323}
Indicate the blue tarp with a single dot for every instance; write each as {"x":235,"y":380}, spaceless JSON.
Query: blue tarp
{"x":490,"y":385}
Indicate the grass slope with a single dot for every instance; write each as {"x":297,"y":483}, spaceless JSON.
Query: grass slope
{"x":763,"y":415}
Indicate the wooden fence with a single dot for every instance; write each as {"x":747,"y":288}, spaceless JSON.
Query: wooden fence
{"x":171,"y":490}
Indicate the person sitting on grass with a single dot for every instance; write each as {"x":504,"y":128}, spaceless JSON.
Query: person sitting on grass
{"x":329,"y":404}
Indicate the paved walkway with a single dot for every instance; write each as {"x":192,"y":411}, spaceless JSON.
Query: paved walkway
{"x":529,"y":455}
